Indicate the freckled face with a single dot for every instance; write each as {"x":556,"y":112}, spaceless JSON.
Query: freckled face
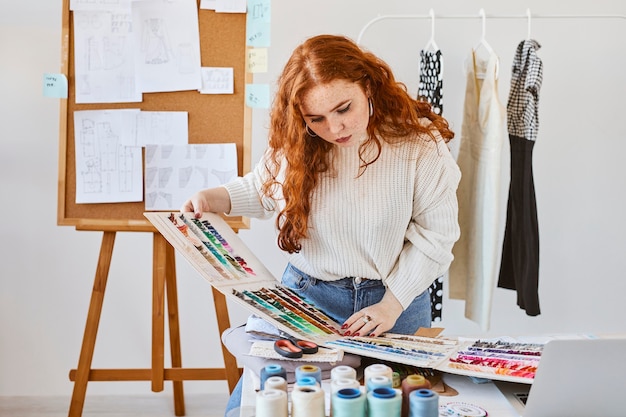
{"x":338,"y":112}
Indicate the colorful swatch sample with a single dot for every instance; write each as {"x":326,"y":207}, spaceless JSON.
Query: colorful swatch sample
{"x":499,"y":358}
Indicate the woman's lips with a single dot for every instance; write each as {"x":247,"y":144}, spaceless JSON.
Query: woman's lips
{"x":343,"y":139}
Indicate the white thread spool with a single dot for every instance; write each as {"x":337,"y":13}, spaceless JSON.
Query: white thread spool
{"x":307,"y":401}
{"x":276,"y":382}
{"x":342,"y":372}
{"x":377,"y":369}
{"x":271,"y":403}
{"x":341,"y":383}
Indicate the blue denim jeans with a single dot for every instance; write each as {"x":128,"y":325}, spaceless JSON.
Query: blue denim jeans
{"x":339,"y":300}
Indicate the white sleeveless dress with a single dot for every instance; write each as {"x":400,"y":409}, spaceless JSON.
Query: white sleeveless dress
{"x":474,"y":271}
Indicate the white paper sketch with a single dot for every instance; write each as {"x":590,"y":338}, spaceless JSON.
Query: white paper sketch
{"x":174,"y":172}
{"x":216,"y":80}
{"x":208,"y":4}
{"x":167,"y":36}
{"x":106,"y":170}
{"x":99,"y":5}
{"x":159,"y":128}
{"x":104,"y":63}
{"x":230,"y":6}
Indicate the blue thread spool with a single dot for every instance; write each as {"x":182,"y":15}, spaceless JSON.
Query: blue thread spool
{"x":378,"y":381}
{"x":305,"y":381}
{"x":271,"y":370}
{"x":309,"y":370}
{"x":348,"y":402}
{"x":384,"y":402}
{"x":423,"y":403}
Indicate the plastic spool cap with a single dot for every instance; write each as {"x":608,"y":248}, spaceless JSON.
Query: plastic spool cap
{"x":384,"y":392}
{"x":349,"y":393}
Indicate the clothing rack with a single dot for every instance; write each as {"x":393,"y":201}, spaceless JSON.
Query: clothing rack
{"x":482,"y":15}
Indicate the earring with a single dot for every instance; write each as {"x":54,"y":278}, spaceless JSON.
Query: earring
{"x":309,"y":131}
{"x":371,"y":107}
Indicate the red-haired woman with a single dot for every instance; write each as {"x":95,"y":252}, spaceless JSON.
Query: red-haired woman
{"x":363,"y":186}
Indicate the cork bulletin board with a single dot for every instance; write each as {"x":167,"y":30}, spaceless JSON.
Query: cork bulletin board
{"x":211,"y":118}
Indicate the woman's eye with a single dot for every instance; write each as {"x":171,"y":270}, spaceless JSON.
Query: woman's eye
{"x":316,"y":120}
{"x":345,"y":109}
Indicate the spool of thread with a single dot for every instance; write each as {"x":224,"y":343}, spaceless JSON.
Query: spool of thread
{"x":396,"y":381}
{"x":423,"y":403}
{"x":276,"y":382}
{"x":342,"y":372}
{"x":378,"y":381}
{"x":348,"y":402}
{"x":307,"y":401}
{"x":384,"y":402}
{"x":341,"y":383}
{"x":377,"y":369}
{"x":271,"y":403}
{"x":309,"y":370}
{"x":305,"y":381}
{"x":410,"y":384}
{"x":271,"y":370}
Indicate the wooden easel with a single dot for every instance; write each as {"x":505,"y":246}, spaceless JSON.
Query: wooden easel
{"x":222,"y":43}
{"x":164,"y":286}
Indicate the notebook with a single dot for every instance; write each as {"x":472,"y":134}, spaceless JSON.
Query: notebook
{"x":580,"y":377}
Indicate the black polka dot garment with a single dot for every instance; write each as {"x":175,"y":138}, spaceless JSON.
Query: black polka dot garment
{"x":431,"y":80}
{"x":431,"y":91}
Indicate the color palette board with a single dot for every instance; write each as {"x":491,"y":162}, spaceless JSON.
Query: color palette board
{"x":215,"y":251}
{"x":219,"y":255}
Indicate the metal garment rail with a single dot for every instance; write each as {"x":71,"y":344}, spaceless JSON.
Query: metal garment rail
{"x":482,"y":15}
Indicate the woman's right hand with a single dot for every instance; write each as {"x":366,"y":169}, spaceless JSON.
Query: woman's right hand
{"x":213,"y":200}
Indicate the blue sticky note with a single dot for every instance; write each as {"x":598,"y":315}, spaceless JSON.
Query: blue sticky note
{"x":258,"y":96}
{"x":55,"y":85}
{"x":258,"y":20}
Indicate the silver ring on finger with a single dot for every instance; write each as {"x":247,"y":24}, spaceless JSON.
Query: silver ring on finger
{"x":366,"y":319}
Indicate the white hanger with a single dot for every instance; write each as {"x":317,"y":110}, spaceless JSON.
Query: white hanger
{"x":483,"y":42}
{"x":529,"y":18}
{"x":431,"y":44}
{"x":483,"y":39}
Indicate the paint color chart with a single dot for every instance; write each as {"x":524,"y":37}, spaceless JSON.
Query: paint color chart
{"x":217,"y":253}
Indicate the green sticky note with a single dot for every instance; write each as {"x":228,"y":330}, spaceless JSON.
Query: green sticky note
{"x":55,"y":85}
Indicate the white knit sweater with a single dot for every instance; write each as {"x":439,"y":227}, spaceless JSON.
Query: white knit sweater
{"x":397,"y":222}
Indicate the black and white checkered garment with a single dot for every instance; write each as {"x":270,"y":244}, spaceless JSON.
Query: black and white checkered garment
{"x":523,"y":104}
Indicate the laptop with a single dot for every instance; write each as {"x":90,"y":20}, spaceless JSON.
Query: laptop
{"x":575,"y":378}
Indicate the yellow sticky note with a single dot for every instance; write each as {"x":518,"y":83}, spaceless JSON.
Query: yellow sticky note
{"x":257,"y":60}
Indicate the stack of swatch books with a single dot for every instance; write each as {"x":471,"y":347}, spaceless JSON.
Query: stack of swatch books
{"x":219,"y":255}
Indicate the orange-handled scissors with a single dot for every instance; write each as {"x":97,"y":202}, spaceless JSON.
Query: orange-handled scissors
{"x":293,"y":348}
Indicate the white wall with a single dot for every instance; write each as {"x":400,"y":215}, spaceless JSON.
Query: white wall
{"x":46,"y":271}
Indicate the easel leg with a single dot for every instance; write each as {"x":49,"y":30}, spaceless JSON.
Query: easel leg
{"x":159,"y":256}
{"x":172,"y":312}
{"x":91,"y":326}
{"x":233,"y":373}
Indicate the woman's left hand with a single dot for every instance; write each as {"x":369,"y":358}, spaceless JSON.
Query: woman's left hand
{"x":375,"y":319}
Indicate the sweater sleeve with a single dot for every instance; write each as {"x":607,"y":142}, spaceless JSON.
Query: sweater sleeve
{"x":245,"y":194}
{"x":433,"y":229}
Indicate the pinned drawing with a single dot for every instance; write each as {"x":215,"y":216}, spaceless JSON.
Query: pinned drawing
{"x":105,"y":71}
{"x":168,"y":39}
{"x":106,"y":170}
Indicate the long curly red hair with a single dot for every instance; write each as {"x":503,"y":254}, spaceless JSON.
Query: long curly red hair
{"x":318,"y":61}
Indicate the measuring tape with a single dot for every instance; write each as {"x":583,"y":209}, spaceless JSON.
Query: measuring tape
{"x":461,"y":410}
